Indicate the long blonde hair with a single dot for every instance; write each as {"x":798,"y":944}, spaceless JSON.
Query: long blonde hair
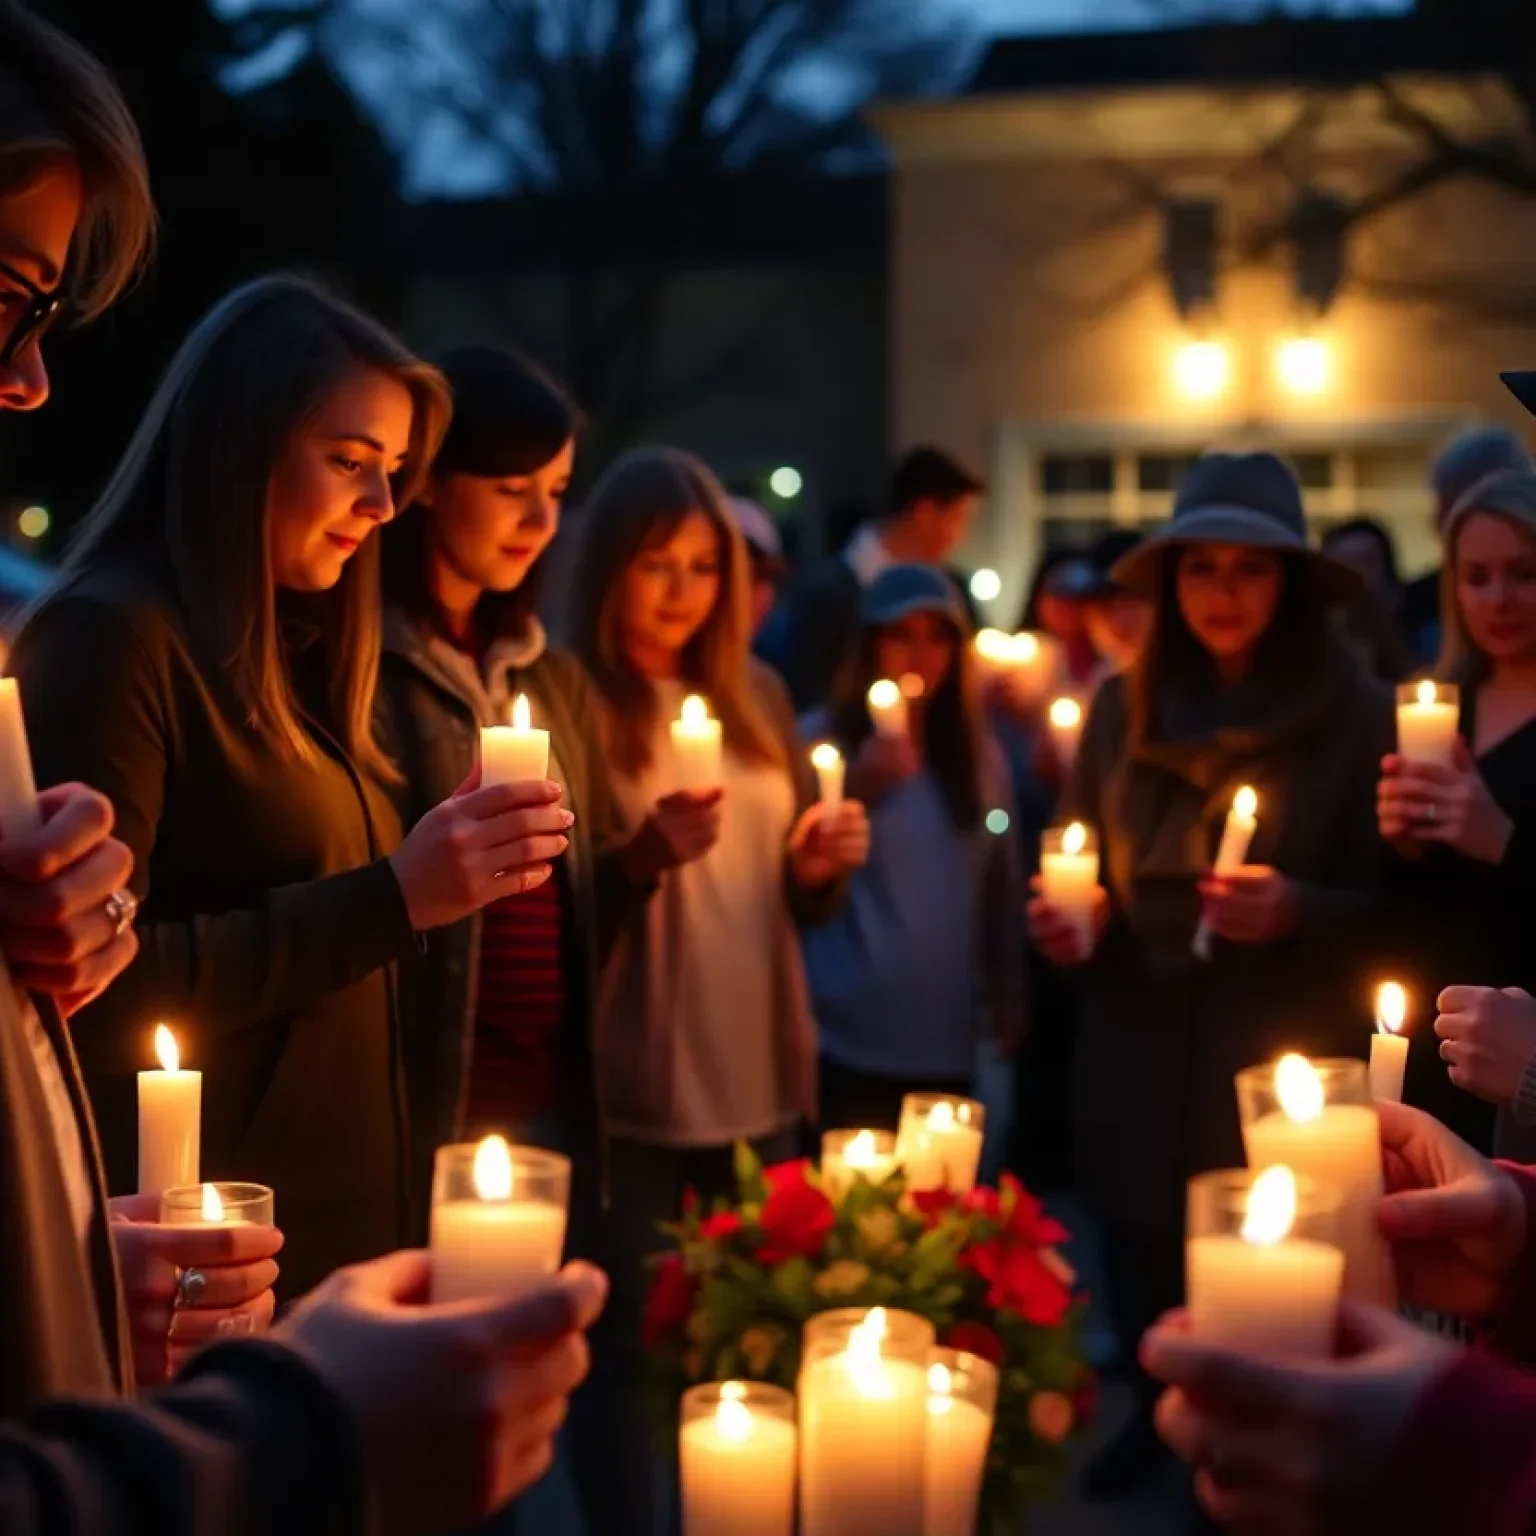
{"x":193,"y":487}
{"x":1509,"y":494}
{"x":637,"y":506}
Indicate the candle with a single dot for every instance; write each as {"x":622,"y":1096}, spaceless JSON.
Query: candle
{"x":1389,"y":1045}
{"x":863,"y":1423}
{"x":18,"y":789}
{"x":962,"y":1400}
{"x":498,"y":1219}
{"x":1319,"y":1119}
{"x":887,"y":709}
{"x":1263,"y":1273}
{"x":845,"y":1154}
{"x":170,"y":1120}
{"x":830,"y":772}
{"x":696,"y":748}
{"x":1236,"y":838}
{"x":1069,"y":878}
{"x":1066,"y":717}
{"x":939,"y":1142}
{"x":1428,"y":718}
{"x":516,"y":753}
{"x":217,"y":1205}
{"x":736,"y":1450}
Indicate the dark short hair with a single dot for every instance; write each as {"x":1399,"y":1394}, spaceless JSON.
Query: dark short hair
{"x":510,"y":417}
{"x":1369,"y":528}
{"x":929,"y":474}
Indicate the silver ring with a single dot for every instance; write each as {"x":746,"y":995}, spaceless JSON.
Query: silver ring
{"x":191,"y":1285}
{"x":121,"y":908}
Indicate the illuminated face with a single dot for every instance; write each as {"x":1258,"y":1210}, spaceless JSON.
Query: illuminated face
{"x":1495,"y":564}
{"x":669,"y":590}
{"x":920,"y":645}
{"x":37,"y":224}
{"x":1228,"y":595}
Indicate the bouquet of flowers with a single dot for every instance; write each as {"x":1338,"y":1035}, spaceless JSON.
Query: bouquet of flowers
{"x":983,"y":1268}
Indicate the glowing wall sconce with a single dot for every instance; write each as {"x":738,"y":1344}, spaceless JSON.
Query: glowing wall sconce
{"x":1304,"y":365}
{"x":1202,"y":369}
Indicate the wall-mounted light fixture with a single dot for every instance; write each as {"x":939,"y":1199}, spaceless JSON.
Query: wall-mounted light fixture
{"x":1202,"y":369}
{"x":1304,"y":365}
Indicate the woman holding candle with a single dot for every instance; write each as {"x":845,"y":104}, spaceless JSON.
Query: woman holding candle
{"x":1243,"y":682}
{"x":1463,"y":835}
{"x":928,"y":943}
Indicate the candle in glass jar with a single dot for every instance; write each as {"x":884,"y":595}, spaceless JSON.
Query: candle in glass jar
{"x":1236,"y":839}
{"x":1389,"y":1045}
{"x":830,"y":772}
{"x":1428,"y":718}
{"x":1066,"y":717}
{"x":887,"y":709}
{"x":736,"y":1452}
{"x":516,"y":753}
{"x":1069,"y":878}
{"x":224,"y":1204}
{"x":939,"y":1142}
{"x":962,"y":1400}
{"x":170,"y":1120}
{"x":696,"y":748}
{"x":18,"y":789}
{"x":845,"y":1154}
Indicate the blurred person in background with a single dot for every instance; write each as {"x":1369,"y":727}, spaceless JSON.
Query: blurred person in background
{"x":1117,"y":619}
{"x":1373,"y":623}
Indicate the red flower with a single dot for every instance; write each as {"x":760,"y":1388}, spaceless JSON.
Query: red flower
{"x":721,"y":1225}
{"x":975,"y":1339}
{"x":797,"y":1218}
{"x":669,"y":1302}
{"x":933,"y":1205}
{"x":1017,"y":1279}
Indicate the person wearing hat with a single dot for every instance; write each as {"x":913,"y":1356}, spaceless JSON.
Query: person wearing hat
{"x":1117,"y":619}
{"x":765,"y":553}
{"x":1465,"y":836}
{"x":926,"y":954}
{"x":1243,"y":681}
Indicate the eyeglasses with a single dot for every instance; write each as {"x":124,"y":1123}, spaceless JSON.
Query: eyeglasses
{"x":19,"y":327}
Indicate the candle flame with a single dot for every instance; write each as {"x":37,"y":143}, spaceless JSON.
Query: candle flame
{"x":942,"y":1116}
{"x":993,"y":645}
{"x":1026,"y":647}
{"x":1298,"y":1087}
{"x":213,"y":1204}
{"x":522,"y":718}
{"x":695,"y":712}
{"x":1428,"y":693}
{"x":912,"y":686}
{"x":825,"y":756}
{"x":1246,"y":802}
{"x":166,"y":1051}
{"x":493,"y":1169}
{"x":884,"y":694}
{"x":1066,"y":714}
{"x":940,"y":1382}
{"x":1074,"y":839}
{"x":733,"y":1419}
{"x":1271,"y":1208}
{"x":861,"y":1151}
{"x":736,"y":1390}
{"x":1391,"y":1008}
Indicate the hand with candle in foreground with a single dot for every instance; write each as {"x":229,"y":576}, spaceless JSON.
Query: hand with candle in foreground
{"x":236,"y":1263}
{"x":1421,"y":803}
{"x":1279,"y":1447}
{"x":54,"y":885}
{"x":1055,"y":935}
{"x":881,"y":764}
{"x":828,"y":843}
{"x":1251,"y":905}
{"x":681,"y":828}
{"x":456,"y":1406}
{"x":1488,"y":1039}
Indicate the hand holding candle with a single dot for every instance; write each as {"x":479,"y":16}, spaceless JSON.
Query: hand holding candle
{"x":1236,"y":839}
{"x":830,"y":774}
{"x":515,"y":753}
{"x":1428,"y":719}
{"x":696,"y":748}
{"x":1069,"y":887}
{"x":170,"y":1120}
{"x":1389,"y":1045}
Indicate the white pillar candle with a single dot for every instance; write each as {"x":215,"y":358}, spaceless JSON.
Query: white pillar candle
{"x":736,"y":1449}
{"x":830,"y":774}
{"x":1428,"y":718}
{"x":1066,"y":717}
{"x":516,"y":753}
{"x":1236,"y":839}
{"x":888,"y":709}
{"x":847,"y":1153}
{"x":863,"y":1424}
{"x":962,"y":1401}
{"x":1319,"y":1120}
{"x":18,"y":789}
{"x":1263,"y":1283}
{"x":498,"y":1219}
{"x":939,"y":1142}
{"x":170,"y":1120}
{"x":696,"y":748}
{"x":1069,"y":877}
{"x":1389,"y":1045}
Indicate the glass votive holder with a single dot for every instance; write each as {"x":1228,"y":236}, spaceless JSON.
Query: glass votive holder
{"x":939,"y":1141}
{"x":962,"y":1403}
{"x":217,"y":1204}
{"x":847,"y":1155}
{"x":498,"y":1218}
{"x":737,"y":1455}
{"x":1264,"y":1269}
{"x":1428,"y":720}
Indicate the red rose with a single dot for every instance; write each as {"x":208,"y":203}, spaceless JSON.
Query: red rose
{"x":1018,"y":1280}
{"x":669,"y":1302}
{"x":1027,"y":1219}
{"x":975,"y":1339}
{"x":721,"y":1225}
{"x":797,"y":1218}
{"x":933,"y":1205}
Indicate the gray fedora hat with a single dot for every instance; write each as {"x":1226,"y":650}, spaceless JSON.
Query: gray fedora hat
{"x":1507,"y":493}
{"x":1253,"y":499}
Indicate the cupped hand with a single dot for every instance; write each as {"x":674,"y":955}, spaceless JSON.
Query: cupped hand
{"x":1487,"y":1038}
{"x":1426,"y":803}
{"x":828,"y":843}
{"x":681,"y":828}
{"x":1057,"y":935}
{"x":1251,"y":905}
{"x":881,"y":764}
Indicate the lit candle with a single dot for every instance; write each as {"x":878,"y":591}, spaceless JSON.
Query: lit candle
{"x":1389,"y":1045}
{"x":887,"y":709}
{"x":1428,"y":718}
{"x":863,"y":1423}
{"x":498,"y":1219}
{"x":939,"y":1142}
{"x":1320,"y":1120}
{"x":696,"y":748}
{"x":736,"y":1450}
{"x":1271,"y":1286}
{"x":516,"y":753}
{"x":217,"y":1205}
{"x":962,"y":1399}
{"x":18,"y":789}
{"x":170,"y":1120}
{"x":1066,"y":717}
{"x":1069,"y":878}
{"x":830,"y":771}
{"x":847,"y":1153}
{"x":1236,"y":839}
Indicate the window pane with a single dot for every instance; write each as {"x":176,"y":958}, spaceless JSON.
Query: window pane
{"x":1314,"y":470}
{"x":1065,"y":474}
{"x":1162,"y":471}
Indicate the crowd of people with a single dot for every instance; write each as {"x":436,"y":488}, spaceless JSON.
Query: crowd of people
{"x":254,"y":692}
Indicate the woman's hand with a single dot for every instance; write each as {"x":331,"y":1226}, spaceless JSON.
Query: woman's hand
{"x":1281,"y":1447}
{"x":478,"y":846}
{"x":1456,"y":1222}
{"x":1252,"y":905}
{"x":882,"y":764}
{"x":682,"y":827}
{"x":55,"y":929}
{"x":237,"y":1271}
{"x":1488,"y":1037}
{"x":828,"y":842}
{"x":1057,"y":936}
{"x":1425,"y":803}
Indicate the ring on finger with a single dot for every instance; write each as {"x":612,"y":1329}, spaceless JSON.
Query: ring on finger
{"x":121,"y":907}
